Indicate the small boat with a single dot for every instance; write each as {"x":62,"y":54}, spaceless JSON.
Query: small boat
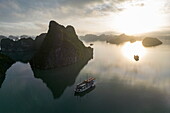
{"x":136,"y":57}
{"x":91,"y":44}
{"x":85,"y":85}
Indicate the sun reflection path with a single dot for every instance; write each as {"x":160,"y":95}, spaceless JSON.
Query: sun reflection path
{"x":131,"y":49}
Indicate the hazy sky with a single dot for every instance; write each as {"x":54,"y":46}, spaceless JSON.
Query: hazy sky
{"x":31,"y":17}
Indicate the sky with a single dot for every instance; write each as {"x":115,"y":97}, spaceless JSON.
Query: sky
{"x":31,"y":17}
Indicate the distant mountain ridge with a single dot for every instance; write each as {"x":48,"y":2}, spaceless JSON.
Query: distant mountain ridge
{"x":113,"y":39}
{"x":20,"y":45}
{"x":93,"y":38}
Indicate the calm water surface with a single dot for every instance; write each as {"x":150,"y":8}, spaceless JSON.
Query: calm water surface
{"x":123,"y":85}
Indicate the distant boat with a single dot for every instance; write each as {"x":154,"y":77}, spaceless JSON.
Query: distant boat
{"x":91,"y":44}
{"x":136,"y":57}
{"x":85,"y":85}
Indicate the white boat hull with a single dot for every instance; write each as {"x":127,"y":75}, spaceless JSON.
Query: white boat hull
{"x":84,"y":89}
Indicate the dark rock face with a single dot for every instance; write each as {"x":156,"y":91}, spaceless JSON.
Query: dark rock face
{"x":23,"y":49}
{"x":20,"y":45}
{"x":39,"y":40}
{"x":149,"y":42}
{"x":61,"y":47}
{"x":2,"y":37}
{"x":23,"y":57}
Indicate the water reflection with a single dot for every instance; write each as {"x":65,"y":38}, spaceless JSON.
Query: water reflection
{"x":57,"y":80}
{"x":7,"y":59}
{"x":118,"y":97}
{"x":151,"y":70}
{"x":131,"y":49}
{"x":2,"y":78}
{"x":122,"y":86}
{"x":5,"y":64}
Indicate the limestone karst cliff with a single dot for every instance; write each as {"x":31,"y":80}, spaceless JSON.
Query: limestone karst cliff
{"x":61,"y":47}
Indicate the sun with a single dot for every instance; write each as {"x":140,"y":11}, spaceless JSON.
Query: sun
{"x":131,"y":49}
{"x":137,"y":20}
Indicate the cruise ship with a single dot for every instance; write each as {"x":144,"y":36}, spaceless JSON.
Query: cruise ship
{"x":85,"y":85}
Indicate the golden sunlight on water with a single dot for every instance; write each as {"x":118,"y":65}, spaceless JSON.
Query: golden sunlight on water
{"x":131,"y":49}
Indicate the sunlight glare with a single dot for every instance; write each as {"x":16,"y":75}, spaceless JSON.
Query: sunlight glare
{"x":137,"y":20}
{"x":131,"y":49}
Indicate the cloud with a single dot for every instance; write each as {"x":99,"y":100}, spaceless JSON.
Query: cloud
{"x":65,"y":11}
{"x":28,"y":10}
{"x":42,"y":11}
{"x":19,"y":28}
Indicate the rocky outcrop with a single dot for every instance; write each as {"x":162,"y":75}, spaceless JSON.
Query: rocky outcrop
{"x":23,"y":57}
{"x":149,"y":42}
{"x":21,"y":45}
{"x":2,"y":37}
{"x":13,"y":37}
{"x":22,"y":49}
{"x":39,"y":40}
{"x":113,"y":39}
{"x":24,"y":36}
{"x":94,"y":38}
{"x":61,"y":47}
{"x":121,"y":39}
